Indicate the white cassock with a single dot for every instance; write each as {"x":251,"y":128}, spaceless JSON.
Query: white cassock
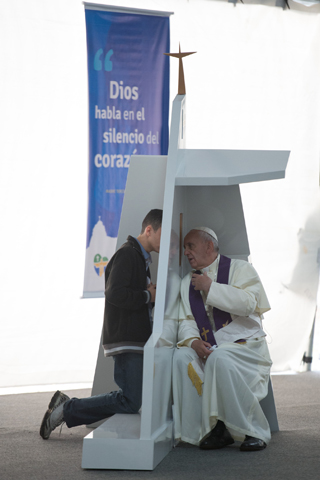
{"x":234,"y":378}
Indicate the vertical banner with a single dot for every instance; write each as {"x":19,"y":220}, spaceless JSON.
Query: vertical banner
{"x":128,"y":114}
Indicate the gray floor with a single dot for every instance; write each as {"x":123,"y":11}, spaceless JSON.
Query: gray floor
{"x":292,"y":454}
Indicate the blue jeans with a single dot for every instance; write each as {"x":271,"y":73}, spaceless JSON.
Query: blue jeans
{"x":128,"y":373}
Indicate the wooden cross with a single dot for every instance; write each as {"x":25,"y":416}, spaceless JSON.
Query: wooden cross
{"x":181,"y":84}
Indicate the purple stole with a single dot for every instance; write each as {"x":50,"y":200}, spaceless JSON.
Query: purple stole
{"x":221,"y":318}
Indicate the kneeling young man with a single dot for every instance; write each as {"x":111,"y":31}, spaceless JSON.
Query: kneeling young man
{"x":127,"y":327}
{"x":222,"y":364}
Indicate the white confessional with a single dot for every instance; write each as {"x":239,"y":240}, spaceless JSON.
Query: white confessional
{"x":194,"y":187}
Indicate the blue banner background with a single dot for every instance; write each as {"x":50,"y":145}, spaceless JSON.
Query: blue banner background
{"x":128,"y":104}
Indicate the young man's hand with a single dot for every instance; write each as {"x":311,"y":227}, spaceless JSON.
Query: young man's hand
{"x":152,"y":289}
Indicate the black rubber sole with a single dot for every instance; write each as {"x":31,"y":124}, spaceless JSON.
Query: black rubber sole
{"x":43,"y":424}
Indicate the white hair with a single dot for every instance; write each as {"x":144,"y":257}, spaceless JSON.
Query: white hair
{"x":206,"y":237}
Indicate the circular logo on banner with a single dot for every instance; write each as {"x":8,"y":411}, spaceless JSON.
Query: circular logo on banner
{"x":100,"y":264}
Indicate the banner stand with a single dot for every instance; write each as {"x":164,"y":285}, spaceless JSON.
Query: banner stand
{"x":128,"y":80}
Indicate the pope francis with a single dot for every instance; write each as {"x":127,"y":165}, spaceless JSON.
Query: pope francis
{"x":222,"y":364}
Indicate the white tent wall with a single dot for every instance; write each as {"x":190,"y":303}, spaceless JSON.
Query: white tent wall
{"x":48,"y":334}
{"x":257,"y":70}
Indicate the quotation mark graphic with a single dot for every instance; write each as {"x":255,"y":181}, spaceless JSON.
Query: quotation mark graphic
{"x":97,"y":64}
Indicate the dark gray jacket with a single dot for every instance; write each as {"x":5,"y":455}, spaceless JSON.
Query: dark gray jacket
{"x":126,"y":325}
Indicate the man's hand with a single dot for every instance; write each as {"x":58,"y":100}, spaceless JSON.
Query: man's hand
{"x":201,"y":282}
{"x":152,"y":289}
{"x":201,"y":348}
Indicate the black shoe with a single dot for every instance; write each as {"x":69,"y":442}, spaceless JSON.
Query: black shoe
{"x":252,"y":444}
{"x":54,"y":415}
{"x":219,"y":437}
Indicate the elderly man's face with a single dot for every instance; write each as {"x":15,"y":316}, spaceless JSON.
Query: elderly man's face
{"x":198,"y":252}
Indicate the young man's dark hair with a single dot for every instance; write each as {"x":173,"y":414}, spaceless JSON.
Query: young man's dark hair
{"x":153,"y":218}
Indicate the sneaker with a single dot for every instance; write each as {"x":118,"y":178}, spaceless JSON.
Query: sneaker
{"x":54,"y":415}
